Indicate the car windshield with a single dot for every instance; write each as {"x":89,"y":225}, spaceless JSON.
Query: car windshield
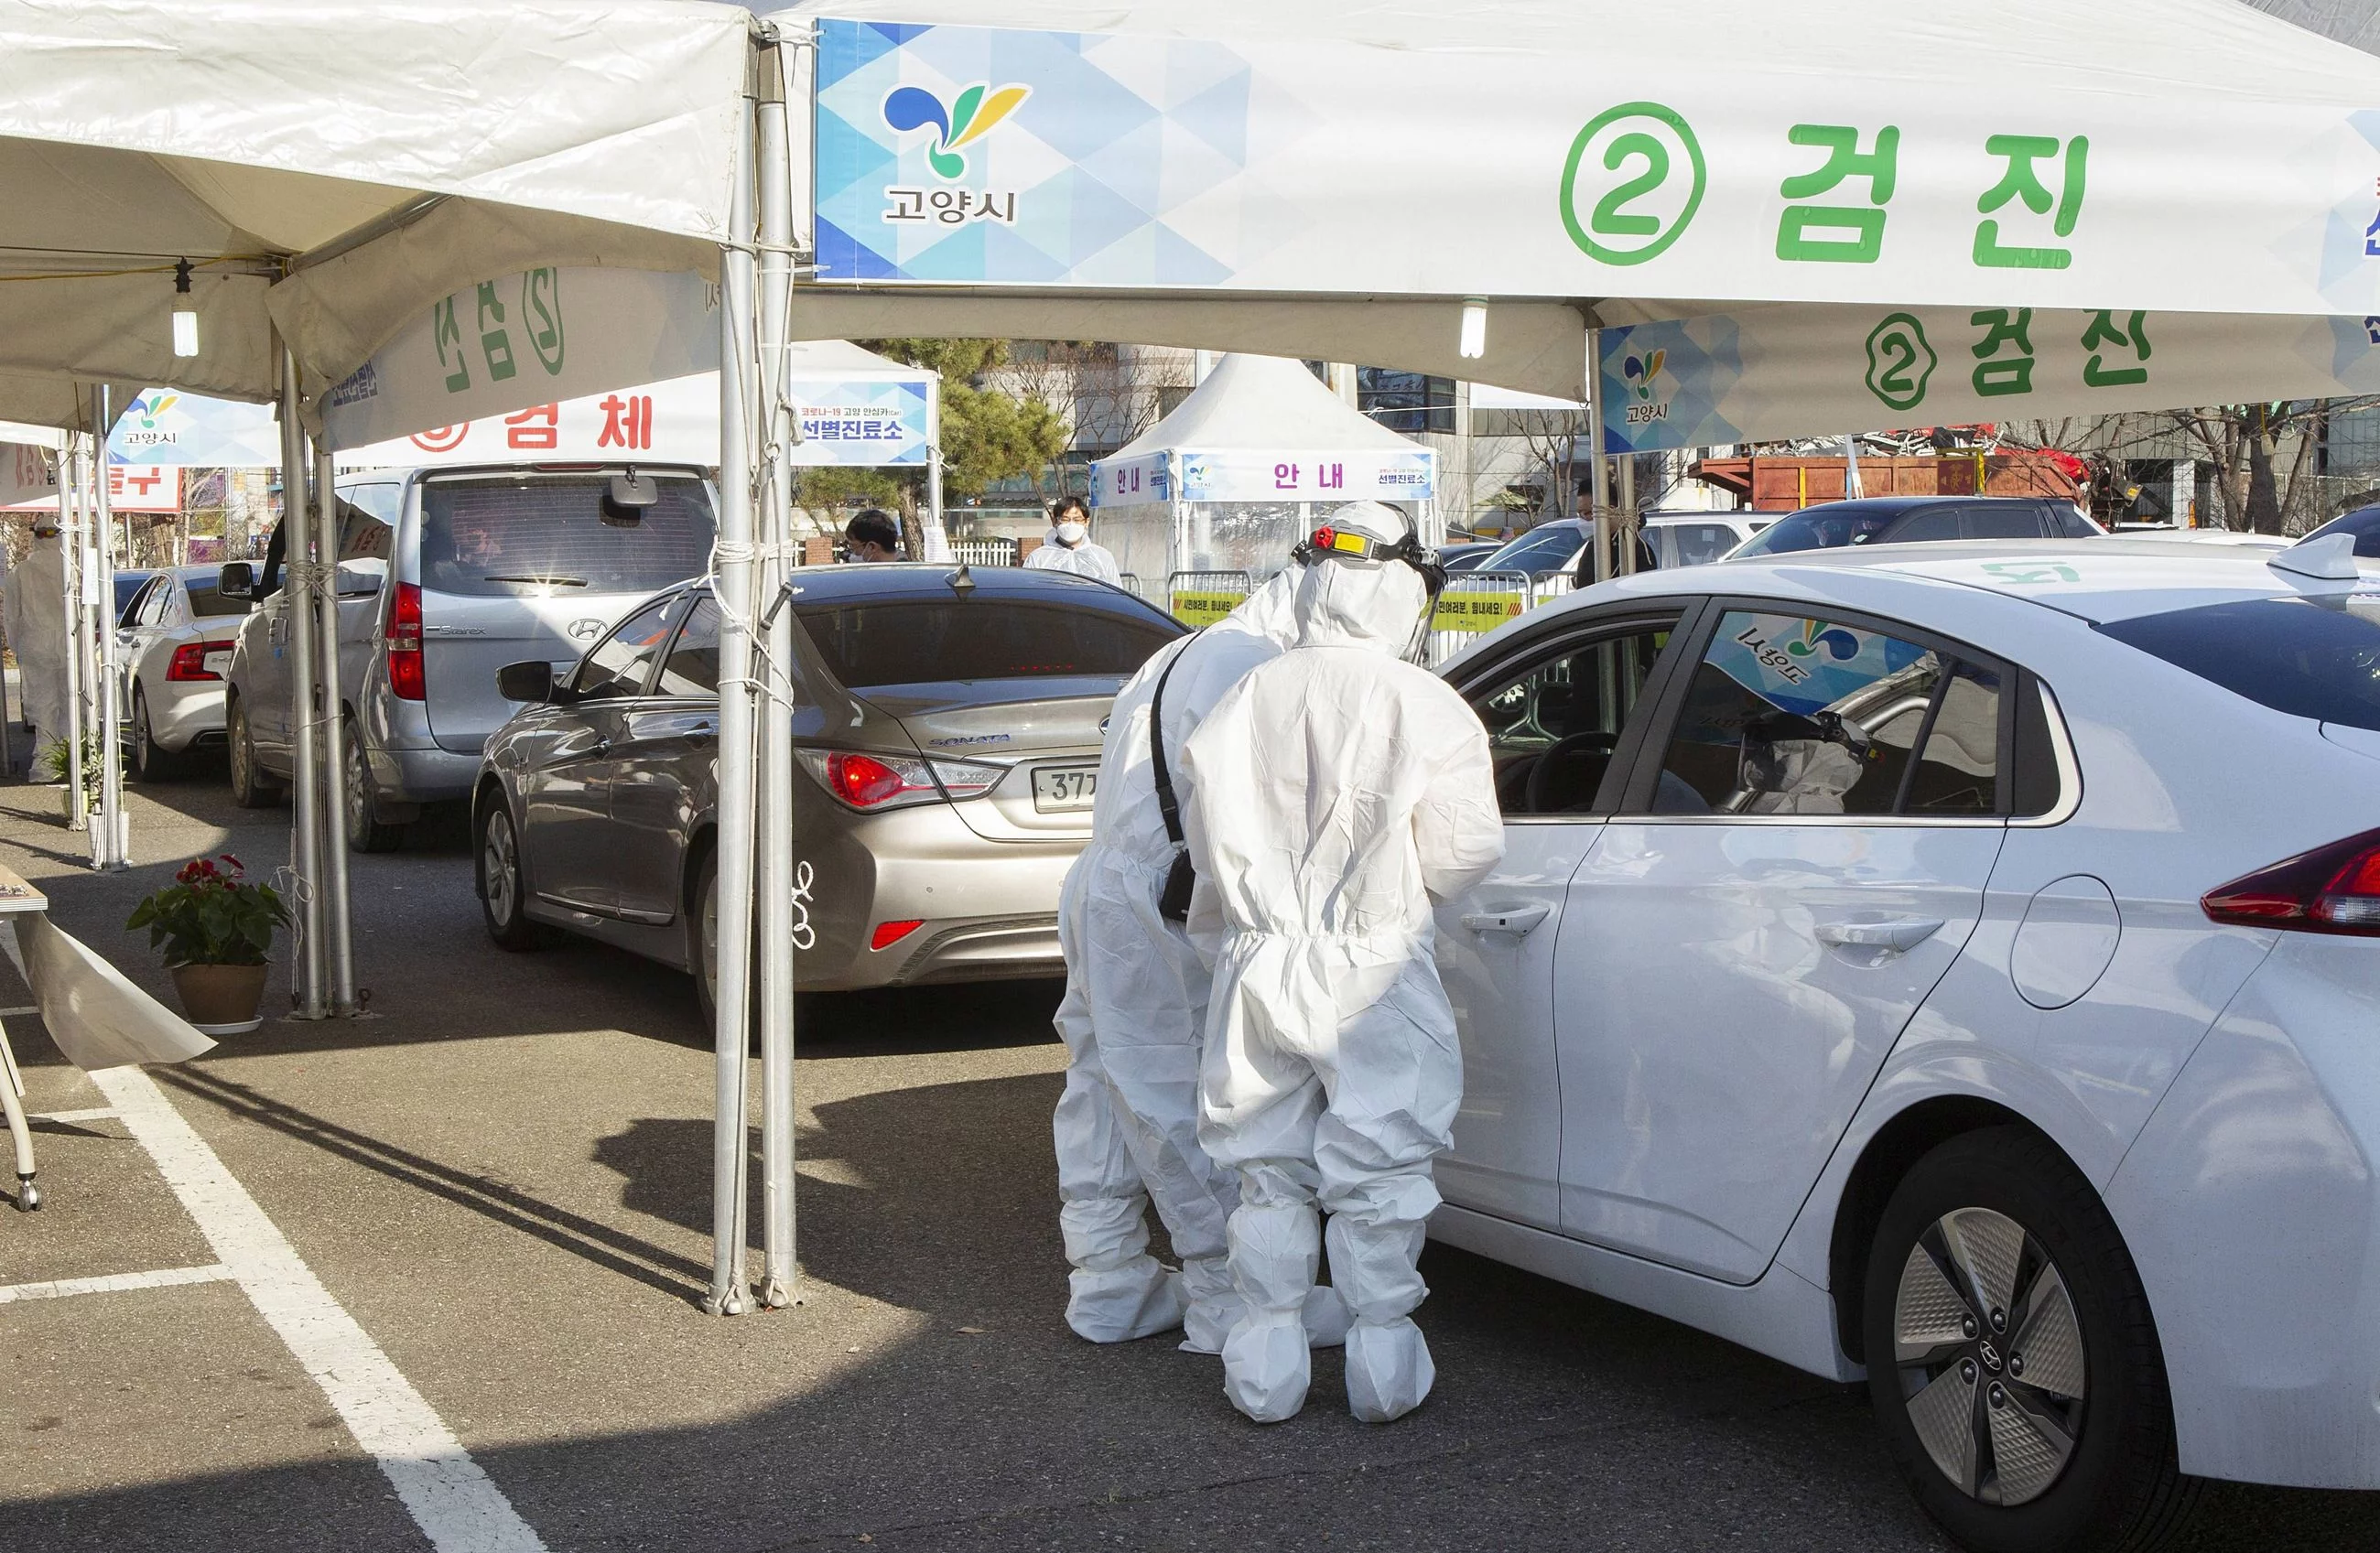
{"x":1540,"y":549}
{"x":2317,"y":658}
{"x":1820,"y":529}
{"x":921,"y":641}
{"x":503,"y":536}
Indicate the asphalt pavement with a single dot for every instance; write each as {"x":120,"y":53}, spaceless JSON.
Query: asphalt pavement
{"x":499,"y":1182}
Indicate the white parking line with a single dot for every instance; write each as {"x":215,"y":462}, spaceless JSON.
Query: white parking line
{"x":113,"y":1283}
{"x":446,"y":1493}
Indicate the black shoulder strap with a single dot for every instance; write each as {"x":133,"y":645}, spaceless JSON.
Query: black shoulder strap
{"x":1166,"y":803}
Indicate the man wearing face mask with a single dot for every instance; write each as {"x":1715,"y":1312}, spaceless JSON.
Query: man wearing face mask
{"x":1333,"y":792}
{"x":1068,"y":547}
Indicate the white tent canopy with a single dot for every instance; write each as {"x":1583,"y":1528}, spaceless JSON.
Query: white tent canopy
{"x":1351,"y":175}
{"x":1239,"y":471}
{"x":384,"y":155}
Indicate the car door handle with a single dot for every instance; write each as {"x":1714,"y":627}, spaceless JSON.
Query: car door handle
{"x":600,"y":746}
{"x":1519,"y":921}
{"x":702,"y":732}
{"x":1900,"y":936}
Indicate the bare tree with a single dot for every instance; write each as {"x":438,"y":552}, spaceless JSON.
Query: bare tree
{"x":1554,"y":438}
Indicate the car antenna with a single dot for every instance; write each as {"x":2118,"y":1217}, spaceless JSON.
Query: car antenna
{"x":962,"y":581}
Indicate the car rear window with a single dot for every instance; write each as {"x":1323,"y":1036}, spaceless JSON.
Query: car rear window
{"x":922,"y":641}
{"x":1695,"y":545}
{"x":2317,"y":658}
{"x":503,"y":536}
{"x":207,"y":600}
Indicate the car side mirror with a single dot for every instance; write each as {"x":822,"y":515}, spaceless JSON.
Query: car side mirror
{"x":238,"y":580}
{"x":626,"y":497}
{"x":531,"y":681}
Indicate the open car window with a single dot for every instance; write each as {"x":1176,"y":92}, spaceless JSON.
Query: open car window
{"x":620,"y":661}
{"x":1554,"y":722}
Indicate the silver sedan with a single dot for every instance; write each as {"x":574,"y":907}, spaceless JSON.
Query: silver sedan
{"x":177,"y":633}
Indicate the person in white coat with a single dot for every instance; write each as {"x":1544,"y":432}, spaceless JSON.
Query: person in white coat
{"x":1126,"y":1129}
{"x":1068,"y":546}
{"x":1333,"y":793}
{"x":35,"y":599}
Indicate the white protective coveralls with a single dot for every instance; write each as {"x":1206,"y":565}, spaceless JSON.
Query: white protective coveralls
{"x":1333,"y":792}
{"x":35,"y":599}
{"x":1136,"y":1006}
{"x":1068,"y":548}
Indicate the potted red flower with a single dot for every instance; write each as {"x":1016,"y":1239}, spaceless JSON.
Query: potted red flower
{"x":216,"y":929}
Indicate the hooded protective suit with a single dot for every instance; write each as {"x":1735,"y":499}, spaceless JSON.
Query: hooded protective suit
{"x":1333,"y":792}
{"x":1083,"y":558}
{"x":35,"y":599}
{"x":1136,"y":1006}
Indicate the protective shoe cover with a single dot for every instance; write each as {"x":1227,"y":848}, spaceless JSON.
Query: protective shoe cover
{"x":35,"y":600}
{"x":1086,"y":560}
{"x":1333,"y":792}
{"x":1126,"y":1129}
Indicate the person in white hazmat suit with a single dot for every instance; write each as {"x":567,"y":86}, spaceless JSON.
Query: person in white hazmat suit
{"x":34,"y":597}
{"x":1068,"y":546}
{"x":1333,"y":792}
{"x":1126,"y":1128}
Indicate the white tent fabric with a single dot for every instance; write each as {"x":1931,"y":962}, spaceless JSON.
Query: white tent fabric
{"x":1241,"y":471}
{"x":410,"y":149}
{"x":1254,"y":417}
{"x":1355,"y":172}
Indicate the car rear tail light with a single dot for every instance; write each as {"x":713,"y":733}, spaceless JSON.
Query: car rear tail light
{"x":405,"y":677}
{"x":872,"y":782}
{"x":887,"y":934}
{"x":189,"y":662}
{"x":2333,"y":888}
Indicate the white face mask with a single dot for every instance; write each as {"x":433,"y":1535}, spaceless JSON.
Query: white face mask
{"x":1071,"y":533}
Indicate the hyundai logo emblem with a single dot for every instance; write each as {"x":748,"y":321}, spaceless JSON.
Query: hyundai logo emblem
{"x":586,"y":630}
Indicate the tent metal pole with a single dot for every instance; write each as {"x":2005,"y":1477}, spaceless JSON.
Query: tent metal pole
{"x":298,"y":610}
{"x":338,"y":938}
{"x":113,"y":842}
{"x":733,"y":982}
{"x":778,"y":1286}
{"x":1598,"y":511}
{"x":70,"y":523}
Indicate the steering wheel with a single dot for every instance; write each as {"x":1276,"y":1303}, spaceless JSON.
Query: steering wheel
{"x":1541,"y":781}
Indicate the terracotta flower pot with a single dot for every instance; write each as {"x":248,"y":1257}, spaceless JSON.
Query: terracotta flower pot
{"x":221,"y":999}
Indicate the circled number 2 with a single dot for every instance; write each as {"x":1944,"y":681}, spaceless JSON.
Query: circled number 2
{"x":1637,"y":173}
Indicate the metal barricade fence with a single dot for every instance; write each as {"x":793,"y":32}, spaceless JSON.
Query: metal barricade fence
{"x":1203,"y":598}
{"x":1129,"y":583}
{"x":1545,"y":586}
{"x":1474,"y":604}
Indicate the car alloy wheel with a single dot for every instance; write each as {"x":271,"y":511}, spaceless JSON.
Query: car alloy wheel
{"x":1990,"y":1356}
{"x":2012,"y":1359}
{"x":500,"y":870}
{"x":250,"y":789}
{"x":504,"y":895}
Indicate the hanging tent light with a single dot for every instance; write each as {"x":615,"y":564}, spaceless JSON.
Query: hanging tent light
{"x":186,"y":316}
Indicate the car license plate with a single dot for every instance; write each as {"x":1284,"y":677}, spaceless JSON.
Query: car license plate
{"x":1064,"y":788}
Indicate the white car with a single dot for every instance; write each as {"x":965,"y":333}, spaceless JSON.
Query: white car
{"x":2036,"y":1077}
{"x":176,"y":634}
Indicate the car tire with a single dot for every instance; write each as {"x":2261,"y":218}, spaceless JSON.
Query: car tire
{"x":2012,"y":1359}
{"x":250,"y":787}
{"x":502,"y":885}
{"x":150,"y":760}
{"x":365,"y":831}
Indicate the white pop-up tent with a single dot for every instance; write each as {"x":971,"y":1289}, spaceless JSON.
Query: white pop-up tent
{"x":1236,"y":474}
